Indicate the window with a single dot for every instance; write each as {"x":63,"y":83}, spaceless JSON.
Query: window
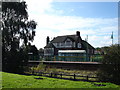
{"x":68,"y":43}
{"x":57,"y":44}
{"x":62,"y":44}
{"x":73,"y":44}
{"x":79,"y":45}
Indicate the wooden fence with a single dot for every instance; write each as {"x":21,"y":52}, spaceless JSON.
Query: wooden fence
{"x":61,"y":75}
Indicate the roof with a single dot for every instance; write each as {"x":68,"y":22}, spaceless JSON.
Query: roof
{"x":74,"y":38}
{"x":86,"y":43}
{"x":72,"y":51}
{"x":63,"y":38}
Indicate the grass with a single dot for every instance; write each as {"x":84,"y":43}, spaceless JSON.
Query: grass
{"x":10,"y":80}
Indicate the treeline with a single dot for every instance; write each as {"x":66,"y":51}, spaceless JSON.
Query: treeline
{"x":16,"y":29}
{"x":110,"y":68}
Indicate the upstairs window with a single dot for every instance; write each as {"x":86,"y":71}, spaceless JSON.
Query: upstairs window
{"x":57,"y":44}
{"x":68,"y":42}
{"x":79,"y":45}
{"x":62,"y":44}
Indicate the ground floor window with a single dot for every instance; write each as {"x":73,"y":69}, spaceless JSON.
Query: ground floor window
{"x":72,"y":55}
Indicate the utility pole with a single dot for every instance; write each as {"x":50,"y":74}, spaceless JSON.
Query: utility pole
{"x":112,"y":37}
{"x":87,"y":48}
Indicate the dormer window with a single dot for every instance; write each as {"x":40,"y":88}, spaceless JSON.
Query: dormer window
{"x":68,"y":43}
{"x":79,"y":45}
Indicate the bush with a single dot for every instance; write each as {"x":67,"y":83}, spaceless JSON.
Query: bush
{"x":39,"y":68}
{"x":110,"y":68}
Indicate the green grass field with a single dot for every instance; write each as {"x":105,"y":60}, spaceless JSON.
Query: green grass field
{"x":21,"y":81}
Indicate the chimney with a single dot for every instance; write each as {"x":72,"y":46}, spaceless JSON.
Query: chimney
{"x":78,"y":33}
{"x":48,"y":40}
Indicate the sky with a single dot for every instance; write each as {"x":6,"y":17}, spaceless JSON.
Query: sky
{"x":96,"y":19}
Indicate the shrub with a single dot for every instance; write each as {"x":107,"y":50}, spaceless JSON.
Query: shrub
{"x":41,"y":68}
{"x":110,"y":68}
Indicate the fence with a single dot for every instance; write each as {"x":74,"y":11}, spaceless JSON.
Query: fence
{"x":96,"y":58}
{"x":91,"y":58}
{"x":61,"y":75}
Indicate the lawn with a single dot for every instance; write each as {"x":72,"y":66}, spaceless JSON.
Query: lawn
{"x":10,"y":80}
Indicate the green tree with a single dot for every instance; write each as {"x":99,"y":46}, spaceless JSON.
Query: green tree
{"x":34,"y":51}
{"x":110,"y":68}
{"x":15,"y":28}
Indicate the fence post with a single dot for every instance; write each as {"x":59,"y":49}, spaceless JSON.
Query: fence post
{"x":51,"y":74}
{"x":74,"y":76}
{"x":61,"y":75}
{"x":87,"y":77}
{"x":41,"y":73}
{"x":32,"y":72}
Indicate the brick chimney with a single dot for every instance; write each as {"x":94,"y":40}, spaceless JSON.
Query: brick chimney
{"x":78,"y":33}
{"x":47,"y":40}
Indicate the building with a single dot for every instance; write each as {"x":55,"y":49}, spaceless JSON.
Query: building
{"x":68,"y":46}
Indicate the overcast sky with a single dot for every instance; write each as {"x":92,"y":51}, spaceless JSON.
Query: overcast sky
{"x":95,"y":19}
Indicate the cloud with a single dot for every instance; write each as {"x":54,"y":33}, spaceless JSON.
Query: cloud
{"x":41,"y":35}
{"x":66,"y":25}
{"x":72,"y":9}
{"x":98,"y":41}
{"x":38,"y":6}
{"x":52,"y":23}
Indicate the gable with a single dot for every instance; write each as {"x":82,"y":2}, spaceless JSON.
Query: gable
{"x":68,"y":40}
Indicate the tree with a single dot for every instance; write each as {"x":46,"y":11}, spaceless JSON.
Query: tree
{"x":34,"y":51}
{"x":110,"y":69}
{"x":15,"y":28}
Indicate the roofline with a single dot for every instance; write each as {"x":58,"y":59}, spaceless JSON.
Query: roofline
{"x":88,"y":43}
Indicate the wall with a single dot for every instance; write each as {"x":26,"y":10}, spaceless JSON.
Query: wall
{"x":69,"y":66}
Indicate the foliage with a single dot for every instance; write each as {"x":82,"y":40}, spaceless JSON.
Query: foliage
{"x":22,"y":81}
{"x":110,"y":69}
{"x":32,"y":49}
{"x":48,"y":69}
{"x":33,"y":52}
{"x":41,"y":67}
{"x":15,"y":28}
{"x":41,"y":50}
